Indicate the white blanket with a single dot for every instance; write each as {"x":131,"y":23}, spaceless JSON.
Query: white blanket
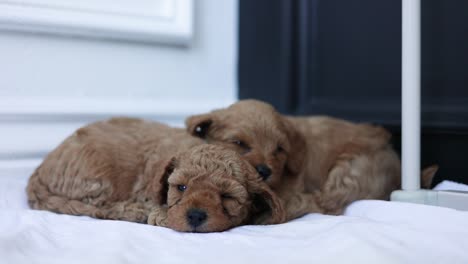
{"x":369,"y":232}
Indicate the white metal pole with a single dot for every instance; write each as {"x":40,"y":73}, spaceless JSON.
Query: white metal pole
{"x":411,"y":118}
{"x":411,"y":94}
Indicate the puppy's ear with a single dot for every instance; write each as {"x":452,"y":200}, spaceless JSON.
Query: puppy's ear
{"x":427,"y":175}
{"x":297,"y":151}
{"x":267,"y":208}
{"x":160,"y":185}
{"x":198,"y":125}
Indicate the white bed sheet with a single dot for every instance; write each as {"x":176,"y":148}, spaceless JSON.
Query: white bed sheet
{"x":369,"y":232}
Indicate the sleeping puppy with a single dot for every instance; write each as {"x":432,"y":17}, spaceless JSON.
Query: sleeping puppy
{"x":140,"y":171}
{"x":331,"y":162}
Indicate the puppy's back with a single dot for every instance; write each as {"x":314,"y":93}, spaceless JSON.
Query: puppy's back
{"x":95,"y":163}
{"x":338,"y":131}
{"x":99,"y":165}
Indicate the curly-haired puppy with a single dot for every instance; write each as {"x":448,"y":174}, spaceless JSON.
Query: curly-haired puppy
{"x":330,"y":161}
{"x":140,"y":171}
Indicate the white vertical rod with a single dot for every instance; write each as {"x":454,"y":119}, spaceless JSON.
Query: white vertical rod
{"x":411,"y":94}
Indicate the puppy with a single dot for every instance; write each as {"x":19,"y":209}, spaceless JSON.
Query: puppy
{"x":330,"y":162}
{"x":146,"y":172}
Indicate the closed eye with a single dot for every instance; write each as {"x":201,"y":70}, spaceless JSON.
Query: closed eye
{"x":241,"y":144}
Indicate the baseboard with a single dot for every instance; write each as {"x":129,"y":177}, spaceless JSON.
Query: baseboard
{"x":32,"y":126}
{"x":18,"y":168}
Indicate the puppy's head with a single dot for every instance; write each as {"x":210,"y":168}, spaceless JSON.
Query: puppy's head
{"x":210,"y":188}
{"x":261,"y":135}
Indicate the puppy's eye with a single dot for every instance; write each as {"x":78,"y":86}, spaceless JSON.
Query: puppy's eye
{"x":202,"y":129}
{"x":181,"y":187}
{"x":279,"y":149}
{"x":199,"y":131}
{"x":240,"y":143}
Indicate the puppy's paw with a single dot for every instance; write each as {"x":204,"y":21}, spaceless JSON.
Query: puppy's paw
{"x":158,"y":216}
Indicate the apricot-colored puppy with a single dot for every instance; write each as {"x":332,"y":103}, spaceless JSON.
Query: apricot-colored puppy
{"x":134,"y":170}
{"x":331,"y":162}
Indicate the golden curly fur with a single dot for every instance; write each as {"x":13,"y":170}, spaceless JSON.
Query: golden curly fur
{"x":141,"y":171}
{"x":316,"y":164}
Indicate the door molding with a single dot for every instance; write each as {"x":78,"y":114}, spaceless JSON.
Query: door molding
{"x":170,"y":22}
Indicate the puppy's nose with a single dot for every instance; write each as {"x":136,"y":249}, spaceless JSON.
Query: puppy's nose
{"x":263,"y":170}
{"x":196,"y":217}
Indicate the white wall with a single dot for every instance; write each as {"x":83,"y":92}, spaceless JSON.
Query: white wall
{"x":50,"y":85}
{"x":33,"y":65}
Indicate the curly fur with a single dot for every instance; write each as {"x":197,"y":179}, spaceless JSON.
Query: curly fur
{"x":318,"y":163}
{"x":129,"y":169}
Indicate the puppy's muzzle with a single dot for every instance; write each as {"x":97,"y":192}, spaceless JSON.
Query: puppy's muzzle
{"x":263,"y":170}
{"x":196,"y":217}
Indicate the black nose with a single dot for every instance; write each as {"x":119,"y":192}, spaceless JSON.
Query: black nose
{"x":196,"y":217}
{"x":264,"y":171}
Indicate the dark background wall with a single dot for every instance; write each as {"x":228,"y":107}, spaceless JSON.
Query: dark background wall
{"x":343,"y":58}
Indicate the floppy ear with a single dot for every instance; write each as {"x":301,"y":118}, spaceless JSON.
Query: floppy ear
{"x":298,"y":149}
{"x":198,"y":125}
{"x":160,"y":186}
{"x":267,"y":207}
